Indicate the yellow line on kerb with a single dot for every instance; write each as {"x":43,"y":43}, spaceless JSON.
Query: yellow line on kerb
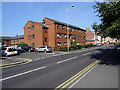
{"x":28,"y":60}
{"x":66,"y":83}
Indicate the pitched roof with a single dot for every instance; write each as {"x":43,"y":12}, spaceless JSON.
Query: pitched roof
{"x":63,"y":23}
{"x":5,"y":38}
{"x":18,"y":37}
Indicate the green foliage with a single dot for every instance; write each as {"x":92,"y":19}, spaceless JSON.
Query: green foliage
{"x":63,"y":49}
{"x":21,"y":44}
{"x":86,"y":45}
{"x":90,"y":45}
{"x":109,"y":14}
{"x":74,"y":43}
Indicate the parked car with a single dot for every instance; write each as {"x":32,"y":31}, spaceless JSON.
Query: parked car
{"x":8,"y":51}
{"x":44,"y":49}
{"x":28,"y":48}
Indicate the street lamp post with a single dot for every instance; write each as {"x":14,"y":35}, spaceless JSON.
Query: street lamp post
{"x":68,"y":31}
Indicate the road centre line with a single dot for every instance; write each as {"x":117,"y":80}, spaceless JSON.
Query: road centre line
{"x":22,"y":73}
{"x":66,"y":60}
{"x":86,"y":54}
{"x":82,"y":76}
{"x":79,"y":73}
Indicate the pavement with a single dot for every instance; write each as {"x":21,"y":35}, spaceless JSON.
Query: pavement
{"x":104,"y":75}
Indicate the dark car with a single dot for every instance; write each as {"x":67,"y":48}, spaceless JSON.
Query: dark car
{"x":28,"y":48}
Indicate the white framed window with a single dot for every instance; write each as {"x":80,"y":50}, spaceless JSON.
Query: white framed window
{"x":81,"y":37}
{"x":29,"y":37}
{"x":32,"y":27}
{"x":59,"y":44}
{"x":75,"y":30}
{"x":58,"y":26}
{"x":28,"y":28}
{"x":65,"y":44}
{"x":72,"y":29}
{"x":81,"y":43}
{"x":74,"y":36}
{"x":63,"y":27}
{"x":58,"y":35}
{"x":33,"y":35}
{"x":81,"y":31}
{"x":65,"y":36}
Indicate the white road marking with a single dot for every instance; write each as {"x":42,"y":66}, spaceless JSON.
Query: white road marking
{"x":86,"y":54}
{"x":96,"y":51}
{"x":37,"y":59}
{"x":57,"y":55}
{"x":22,"y":73}
{"x":42,"y":57}
{"x":66,"y":60}
{"x":82,"y":77}
{"x":50,"y":53}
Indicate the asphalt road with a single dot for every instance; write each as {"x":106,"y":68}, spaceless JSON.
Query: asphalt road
{"x":49,"y":72}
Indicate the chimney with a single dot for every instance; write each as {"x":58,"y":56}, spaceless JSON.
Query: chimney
{"x":17,"y":35}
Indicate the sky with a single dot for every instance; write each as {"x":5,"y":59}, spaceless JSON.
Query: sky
{"x":16,"y":14}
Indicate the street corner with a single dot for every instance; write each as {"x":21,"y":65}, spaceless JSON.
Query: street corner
{"x":6,"y":62}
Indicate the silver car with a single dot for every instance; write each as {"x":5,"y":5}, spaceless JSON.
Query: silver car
{"x":44,"y":49}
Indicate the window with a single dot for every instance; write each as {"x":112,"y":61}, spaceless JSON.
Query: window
{"x":58,"y":26}
{"x":70,"y":36}
{"x":59,"y":44}
{"x":32,"y":27}
{"x":65,"y":44}
{"x":84,"y":43}
{"x":33,"y":45}
{"x":28,"y":29}
{"x":45,"y":31}
{"x":78,"y":37}
{"x":75,"y":29}
{"x":14,"y":40}
{"x":72,"y":29}
{"x":33,"y":35}
{"x":78,"y":30}
{"x":81,"y":31}
{"x":17,"y":40}
{"x":29,"y":37}
{"x":62,"y":26}
{"x":81,"y":37}
{"x":84,"y":37}
{"x":74,"y":36}
{"x":65,"y":36}
{"x":68,"y":28}
{"x":45,"y":39}
{"x":58,"y":35}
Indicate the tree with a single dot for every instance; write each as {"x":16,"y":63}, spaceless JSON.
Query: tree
{"x":109,"y":14}
{"x":21,"y":44}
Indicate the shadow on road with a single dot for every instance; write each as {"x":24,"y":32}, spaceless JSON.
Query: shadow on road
{"x":107,"y":56}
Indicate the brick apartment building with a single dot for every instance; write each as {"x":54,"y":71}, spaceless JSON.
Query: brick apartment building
{"x":12,"y":40}
{"x":52,"y":33}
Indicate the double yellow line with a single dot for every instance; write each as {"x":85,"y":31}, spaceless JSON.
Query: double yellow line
{"x":69,"y":81}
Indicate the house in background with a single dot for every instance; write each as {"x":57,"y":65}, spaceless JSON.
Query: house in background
{"x":52,"y":33}
{"x":12,"y":40}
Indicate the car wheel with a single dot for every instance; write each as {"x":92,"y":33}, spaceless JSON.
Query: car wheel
{"x":29,"y":50}
{"x":45,"y":51}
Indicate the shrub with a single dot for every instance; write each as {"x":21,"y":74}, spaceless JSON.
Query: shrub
{"x":63,"y":49}
{"x":90,"y":45}
{"x":86,"y":45}
{"x":21,"y":44}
